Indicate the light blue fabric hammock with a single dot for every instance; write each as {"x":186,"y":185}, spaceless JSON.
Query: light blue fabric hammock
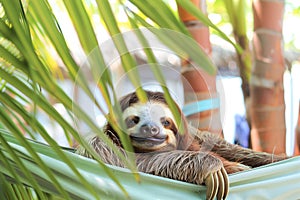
{"x":279,"y":180}
{"x":275,"y":181}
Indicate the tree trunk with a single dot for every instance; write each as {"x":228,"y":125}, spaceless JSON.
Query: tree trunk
{"x":198,"y":85}
{"x":266,"y":87}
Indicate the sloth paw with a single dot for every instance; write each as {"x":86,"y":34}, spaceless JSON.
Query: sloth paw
{"x":233,"y":167}
{"x":217,"y":185}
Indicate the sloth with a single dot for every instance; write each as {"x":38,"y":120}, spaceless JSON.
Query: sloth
{"x":193,"y":156}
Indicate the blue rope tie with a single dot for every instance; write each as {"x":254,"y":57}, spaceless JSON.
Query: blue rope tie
{"x":200,"y":106}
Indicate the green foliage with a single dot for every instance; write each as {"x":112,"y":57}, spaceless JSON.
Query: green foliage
{"x":30,"y":170}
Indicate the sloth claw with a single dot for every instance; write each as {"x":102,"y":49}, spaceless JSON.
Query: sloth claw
{"x":217,"y":185}
{"x":226,"y":182}
{"x":210,"y":185}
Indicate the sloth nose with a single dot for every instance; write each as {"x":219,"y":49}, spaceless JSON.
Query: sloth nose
{"x":149,"y":129}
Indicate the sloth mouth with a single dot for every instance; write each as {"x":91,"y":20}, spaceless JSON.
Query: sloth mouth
{"x":148,"y":139}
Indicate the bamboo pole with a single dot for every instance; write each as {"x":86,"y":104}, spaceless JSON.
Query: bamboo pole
{"x":266,"y":86}
{"x":197,"y":82}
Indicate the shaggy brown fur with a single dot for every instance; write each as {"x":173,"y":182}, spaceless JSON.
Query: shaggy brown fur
{"x":197,"y":157}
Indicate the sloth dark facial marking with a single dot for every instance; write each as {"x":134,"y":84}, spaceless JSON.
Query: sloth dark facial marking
{"x":151,"y":126}
{"x":131,"y":121}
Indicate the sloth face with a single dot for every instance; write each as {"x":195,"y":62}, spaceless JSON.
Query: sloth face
{"x":151,"y":126}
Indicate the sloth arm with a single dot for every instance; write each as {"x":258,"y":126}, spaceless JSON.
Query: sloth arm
{"x":105,"y":153}
{"x":236,"y":153}
{"x":192,"y":167}
{"x":189,"y":166}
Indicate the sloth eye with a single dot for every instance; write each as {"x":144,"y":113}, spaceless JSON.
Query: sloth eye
{"x":132,"y":121}
{"x":165,"y":122}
